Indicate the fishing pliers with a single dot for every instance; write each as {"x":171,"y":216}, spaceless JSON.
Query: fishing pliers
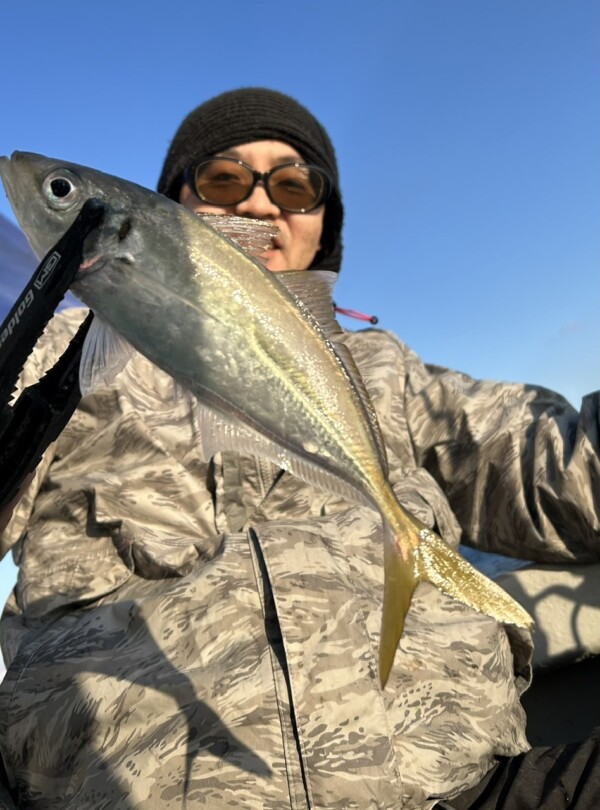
{"x":38,"y":416}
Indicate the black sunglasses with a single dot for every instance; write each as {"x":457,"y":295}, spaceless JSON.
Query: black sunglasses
{"x":294,"y":187}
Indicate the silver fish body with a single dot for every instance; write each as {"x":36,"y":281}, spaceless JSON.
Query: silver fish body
{"x":250,"y":350}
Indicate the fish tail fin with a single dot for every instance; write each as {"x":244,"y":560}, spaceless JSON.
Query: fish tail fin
{"x":416,"y":554}
{"x":399,"y":584}
{"x":443,"y":567}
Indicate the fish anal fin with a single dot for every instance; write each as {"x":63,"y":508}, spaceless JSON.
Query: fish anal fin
{"x":221,"y":431}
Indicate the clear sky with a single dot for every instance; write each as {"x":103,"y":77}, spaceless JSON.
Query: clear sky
{"x":467,"y":132}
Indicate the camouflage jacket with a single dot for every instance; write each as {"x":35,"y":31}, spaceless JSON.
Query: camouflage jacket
{"x":202,"y":632}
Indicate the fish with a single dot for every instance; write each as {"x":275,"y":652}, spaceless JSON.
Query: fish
{"x":270,"y":371}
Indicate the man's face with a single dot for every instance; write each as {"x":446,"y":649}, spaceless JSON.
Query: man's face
{"x":299,"y":236}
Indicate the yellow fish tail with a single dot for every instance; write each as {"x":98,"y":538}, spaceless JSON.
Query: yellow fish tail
{"x":416,"y":554}
{"x":399,"y":585}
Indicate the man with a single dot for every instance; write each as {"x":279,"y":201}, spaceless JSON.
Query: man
{"x":202,"y":631}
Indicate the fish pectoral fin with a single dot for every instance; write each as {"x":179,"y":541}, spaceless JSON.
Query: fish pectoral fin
{"x":104,"y":354}
{"x":443,"y":567}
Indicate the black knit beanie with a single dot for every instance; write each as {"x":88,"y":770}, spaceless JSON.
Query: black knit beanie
{"x":256,"y":114}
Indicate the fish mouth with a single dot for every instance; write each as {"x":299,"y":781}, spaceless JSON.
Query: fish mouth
{"x":88,"y":266}
{"x":98,"y":261}
{"x":107,"y":243}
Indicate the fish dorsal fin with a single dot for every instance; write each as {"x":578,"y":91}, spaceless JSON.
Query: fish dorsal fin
{"x":252,"y":235}
{"x":314,"y":288}
{"x":104,"y":354}
{"x":345,"y":356}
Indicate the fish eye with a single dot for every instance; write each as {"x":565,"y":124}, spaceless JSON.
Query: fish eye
{"x":61,"y":189}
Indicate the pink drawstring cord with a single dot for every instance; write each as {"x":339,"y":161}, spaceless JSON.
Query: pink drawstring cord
{"x":353,"y":313}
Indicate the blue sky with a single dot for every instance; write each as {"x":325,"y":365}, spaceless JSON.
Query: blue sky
{"x":467,"y":133}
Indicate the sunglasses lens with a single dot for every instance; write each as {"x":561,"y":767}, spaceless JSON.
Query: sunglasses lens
{"x":297,"y":188}
{"x":293,"y":187}
{"x":222,"y":181}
